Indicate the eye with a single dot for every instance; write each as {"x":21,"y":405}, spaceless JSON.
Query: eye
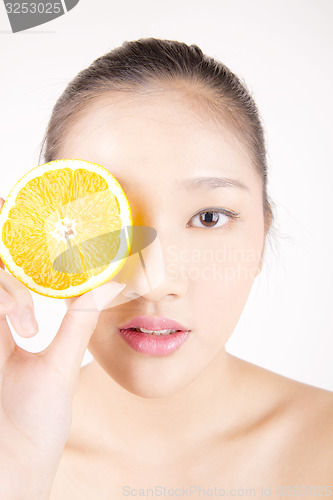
{"x":213,"y":218}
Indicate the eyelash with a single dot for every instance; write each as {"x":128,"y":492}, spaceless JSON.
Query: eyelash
{"x":228,"y":213}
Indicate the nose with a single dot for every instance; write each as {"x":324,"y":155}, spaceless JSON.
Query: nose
{"x":149,"y":270}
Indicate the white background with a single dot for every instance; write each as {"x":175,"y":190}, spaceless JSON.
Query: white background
{"x":283,"y":51}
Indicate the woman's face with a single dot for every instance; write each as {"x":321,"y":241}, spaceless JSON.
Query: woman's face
{"x":205,"y":266}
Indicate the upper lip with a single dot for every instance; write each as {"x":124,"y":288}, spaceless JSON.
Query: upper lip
{"x":150,"y":323}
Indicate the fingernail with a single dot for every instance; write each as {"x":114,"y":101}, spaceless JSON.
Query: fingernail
{"x":28,"y":322}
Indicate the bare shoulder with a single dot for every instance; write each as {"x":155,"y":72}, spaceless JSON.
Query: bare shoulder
{"x":310,"y":432}
{"x":301,"y":426}
{"x":305,"y":404}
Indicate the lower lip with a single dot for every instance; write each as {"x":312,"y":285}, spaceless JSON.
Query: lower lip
{"x":154,"y":345}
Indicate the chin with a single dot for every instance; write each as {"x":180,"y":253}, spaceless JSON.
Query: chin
{"x":151,"y":391}
{"x":149,"y":381}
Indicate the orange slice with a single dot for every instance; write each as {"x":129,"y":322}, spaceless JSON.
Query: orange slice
{"x":65,"y":228}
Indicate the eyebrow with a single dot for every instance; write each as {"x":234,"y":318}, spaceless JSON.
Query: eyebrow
{"x":210,"y":183}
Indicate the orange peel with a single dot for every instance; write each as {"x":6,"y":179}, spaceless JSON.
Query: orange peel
{"x":65,"y":228}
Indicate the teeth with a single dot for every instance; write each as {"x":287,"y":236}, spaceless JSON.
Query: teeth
{"x":144,"y":330}
{"x":156,"y":332}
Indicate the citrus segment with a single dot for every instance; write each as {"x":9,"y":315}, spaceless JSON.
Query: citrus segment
{"x":65,"y":228}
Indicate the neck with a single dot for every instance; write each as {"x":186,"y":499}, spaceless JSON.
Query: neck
{"x":211,"y":405}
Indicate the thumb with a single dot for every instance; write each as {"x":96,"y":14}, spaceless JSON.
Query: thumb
{"x":67,"y":349}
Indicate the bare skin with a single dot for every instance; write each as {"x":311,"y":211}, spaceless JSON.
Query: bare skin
{"x":35,"y":388}
{"x":199,"y":416}
{"x":285,"y":441}
{"x":220,"y":421}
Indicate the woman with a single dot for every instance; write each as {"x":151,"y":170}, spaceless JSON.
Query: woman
{"x":157,"y":414}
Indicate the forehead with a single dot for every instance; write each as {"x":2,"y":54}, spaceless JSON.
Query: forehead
{"x":157,"y":136}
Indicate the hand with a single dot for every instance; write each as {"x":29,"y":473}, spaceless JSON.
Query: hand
{"x":37,"y":389}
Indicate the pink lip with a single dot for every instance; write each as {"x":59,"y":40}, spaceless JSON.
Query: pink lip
{"x":150,"y":323}
{"x":153,"y":345}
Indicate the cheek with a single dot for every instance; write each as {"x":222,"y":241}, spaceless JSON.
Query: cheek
{"x":220,"y":281}
{"x":218,"y":296}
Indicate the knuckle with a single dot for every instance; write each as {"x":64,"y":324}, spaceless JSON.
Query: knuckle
{"x":6,"y":298}
{"x":24,"y":298}
{"x":76,"y":320}
{"x":73,"y":321}
{"x":70,"y":317}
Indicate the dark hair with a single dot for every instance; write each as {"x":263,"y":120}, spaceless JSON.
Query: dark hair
{"x":138,"y":65}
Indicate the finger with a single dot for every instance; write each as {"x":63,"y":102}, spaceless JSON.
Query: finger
{"x":7,"y":301}
{"x":22,"y":315}
{"x":67,"y":349}
{"x":7,"y":343}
